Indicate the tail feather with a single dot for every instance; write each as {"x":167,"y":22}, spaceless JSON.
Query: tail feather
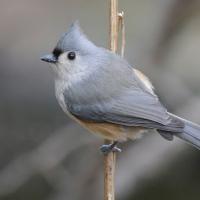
{"x":190,"y":134}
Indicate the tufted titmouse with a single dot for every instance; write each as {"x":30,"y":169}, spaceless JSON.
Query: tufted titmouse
{"x":102,"y":92}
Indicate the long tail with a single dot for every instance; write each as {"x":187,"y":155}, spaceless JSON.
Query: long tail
{"x":190,"y":134}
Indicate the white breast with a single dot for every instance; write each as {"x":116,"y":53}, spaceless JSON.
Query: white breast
{"x":60,"y":86}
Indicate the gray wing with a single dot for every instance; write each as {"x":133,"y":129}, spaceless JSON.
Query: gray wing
{"x":127,"y":101}
{"x":145,"y":111}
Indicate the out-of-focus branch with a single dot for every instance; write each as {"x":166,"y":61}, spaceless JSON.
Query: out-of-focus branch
{"x":45,"y":158}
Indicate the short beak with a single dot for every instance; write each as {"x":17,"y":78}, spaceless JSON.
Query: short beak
{"x":49,"y":58}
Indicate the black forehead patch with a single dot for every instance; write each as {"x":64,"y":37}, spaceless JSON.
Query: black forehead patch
{"x":56,"y":52}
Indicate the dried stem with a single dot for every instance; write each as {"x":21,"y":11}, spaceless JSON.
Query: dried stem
{"x":110,"y":159}
{"x":122,"y":27}
{"x":113,"y":25}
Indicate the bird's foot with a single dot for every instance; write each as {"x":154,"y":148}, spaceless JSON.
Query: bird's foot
{"x":107,"y":148}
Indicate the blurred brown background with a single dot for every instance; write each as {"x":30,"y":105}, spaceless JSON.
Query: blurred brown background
{"x":43,"y":154}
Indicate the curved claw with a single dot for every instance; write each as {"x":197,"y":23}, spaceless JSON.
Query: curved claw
{"x":107,"y":148}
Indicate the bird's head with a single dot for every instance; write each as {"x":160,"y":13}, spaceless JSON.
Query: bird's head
{"x":73,"y":52}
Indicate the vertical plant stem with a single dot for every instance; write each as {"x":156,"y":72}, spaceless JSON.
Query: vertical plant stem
{"x":121,"y":25}
{"x":110,"y":158}
{"x":114,"y":20}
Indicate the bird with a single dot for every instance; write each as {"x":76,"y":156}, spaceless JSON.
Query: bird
{"x":102,"y":92}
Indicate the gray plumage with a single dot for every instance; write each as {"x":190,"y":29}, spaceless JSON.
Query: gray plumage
{"x":99,"y":86}
{"x":190,"y":133}
{"x":75,"y":40}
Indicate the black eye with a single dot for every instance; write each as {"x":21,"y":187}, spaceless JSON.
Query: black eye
{"x":71,"y":55}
